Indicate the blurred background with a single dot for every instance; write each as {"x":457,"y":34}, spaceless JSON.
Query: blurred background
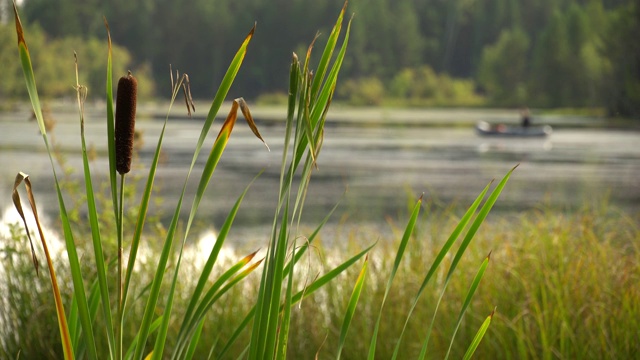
{"x":539,"y":53}
{"x":418,"y":76}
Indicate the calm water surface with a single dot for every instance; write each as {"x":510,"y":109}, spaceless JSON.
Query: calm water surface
{"x":380,"y":158}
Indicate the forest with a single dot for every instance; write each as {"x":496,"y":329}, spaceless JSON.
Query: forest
{"x":506,"y":53}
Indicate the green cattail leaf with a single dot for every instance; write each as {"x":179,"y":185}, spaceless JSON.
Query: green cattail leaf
{"x":154,"y":326}
{"x":351,"y":307}
{"x":396,"y":263}
{"x":208,"y":267}
{"x":462,"y":224}
{"x":212,"y":161}
{"x":111,"y":129}
{"x":210,"y":166}
{"x":467,"y":300}
{"x":194,"y":341}
{"x":326,"y":278}
{"x":479,"y":335}
{"x":74,"y":263}
{"x":327,"y":53}
{"x":283,"y":334}
{"x":101,"y":271}
{"x":219,"y":288}
{"x":482,"y":214}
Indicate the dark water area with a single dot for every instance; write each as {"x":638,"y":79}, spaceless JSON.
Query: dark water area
{"x":374,"y":162}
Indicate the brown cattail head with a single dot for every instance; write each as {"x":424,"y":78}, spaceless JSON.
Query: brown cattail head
{"x":125,"y":121}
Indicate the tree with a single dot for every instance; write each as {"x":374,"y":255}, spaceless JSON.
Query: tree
{"x":622,"y":90}
{"x":504,"y":69}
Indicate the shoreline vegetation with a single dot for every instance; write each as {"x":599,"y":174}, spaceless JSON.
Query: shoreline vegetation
{"x":127,"y":286}
{"x":341,"y":113}
{"x":564,"y":284}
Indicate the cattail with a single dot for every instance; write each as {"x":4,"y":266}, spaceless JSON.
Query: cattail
{"x":125,"y":121}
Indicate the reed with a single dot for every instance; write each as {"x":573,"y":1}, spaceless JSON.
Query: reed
{"x":268,"y":321}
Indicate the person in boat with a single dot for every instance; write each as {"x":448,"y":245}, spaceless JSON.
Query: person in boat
{"x":526,"y":117}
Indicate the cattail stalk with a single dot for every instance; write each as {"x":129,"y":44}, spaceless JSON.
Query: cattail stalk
{"x":125,"y":121}
{"x":124,"y":132}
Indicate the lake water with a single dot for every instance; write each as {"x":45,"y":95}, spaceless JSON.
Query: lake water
{"x":381,"y":158}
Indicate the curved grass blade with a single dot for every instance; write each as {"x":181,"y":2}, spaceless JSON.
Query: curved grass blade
{"x":462,"y":224}
{"x":403,"y":245}
{"x":484,"y":211}
{"x":190,"y":322}
{"x":94,"y":305}
{"x":221,"y":94}
{"x":154,"y":326}
{"x":266,"y":324}
{"x":81,"y":94}
{"x":287,"y":271}
{"x":65,"y":336}
{"x":111,"y":127}
{"x":194,"y":341}
{"x":327,"y":52}
{"x":283,"y":334}
{"x":326,"y":278}
{"x":212,"y":161}
{"x":319,"y":105}
{"x":232,"y":339}
{"x":223,"y":89}
{"x":467,"y":300}
{"x":216,"y":293}
{"x":351,"y":308}
{"x":208,"y":267}
{"x":479,"y":335}
{"x":74,"y":263}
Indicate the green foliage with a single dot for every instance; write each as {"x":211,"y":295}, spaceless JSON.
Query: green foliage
{"x":623,"y":54}
{"x":504,"y":67}
{"x":536,"y":254}
{"x":53,"y":59}
{"x":423,"y":87}
{"x":365,"y":91}
{"x":576,"y":53}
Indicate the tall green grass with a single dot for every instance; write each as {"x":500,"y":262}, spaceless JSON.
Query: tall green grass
{"x":95,"y":324}
{"x":588,"y":257}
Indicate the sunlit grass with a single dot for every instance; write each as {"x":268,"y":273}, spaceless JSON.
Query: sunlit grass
{"x":144,"y":320}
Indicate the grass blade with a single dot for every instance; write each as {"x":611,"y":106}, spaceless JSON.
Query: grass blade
{"x":283,"y":335}
{"x":154,"y":326}
{"x":403,"y":245}
{"x":327,"y":53}
{"x":484,"y":211}
{"x":467,"y":300}
{"x":326,"y":278}
{"x":190,"y":322}
{"x":351,"y":308}
{"x":221,"y":94}
{"x":462,"y":224}
{"x":479,"y":335}
{"x":194,"y":341}
{"x":158,"y":277}
{"x":287,"y":270}
{"x":208,"y":267}
{"x":101,"y":271}
{"x":212,"y":161}
{"x":111,"y":127}
{"x":74,"y":263}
